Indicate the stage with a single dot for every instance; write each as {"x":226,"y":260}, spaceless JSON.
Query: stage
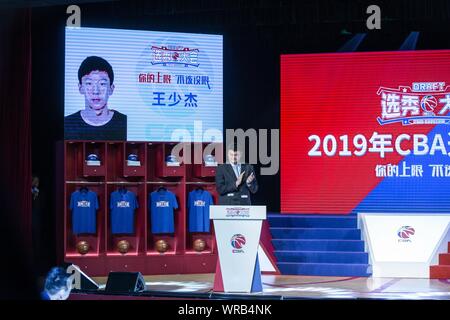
{"x":282,"y":287}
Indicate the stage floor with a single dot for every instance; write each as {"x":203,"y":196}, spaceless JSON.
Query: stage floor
{"x":301,"y":287}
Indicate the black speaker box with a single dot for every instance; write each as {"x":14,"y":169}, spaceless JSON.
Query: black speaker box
{"x":124,"y":282}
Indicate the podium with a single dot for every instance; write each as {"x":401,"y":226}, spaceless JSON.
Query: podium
{"x":237,"y":230}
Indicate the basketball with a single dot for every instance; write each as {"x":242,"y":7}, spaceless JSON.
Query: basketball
{"x":428,"y":103}
{"x":161,"y":246}
{"x":199,"y":245}
{"x":83,"y":247}
{"x":123,"y":246}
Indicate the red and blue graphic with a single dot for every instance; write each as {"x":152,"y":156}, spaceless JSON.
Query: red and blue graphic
{"x":406,"y":232}
{"x":365,"y":132}
{"x":238,"y":241}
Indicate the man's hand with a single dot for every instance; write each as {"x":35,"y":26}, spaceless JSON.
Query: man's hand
{"x":239,"y":179}
{"x":250,"y":178}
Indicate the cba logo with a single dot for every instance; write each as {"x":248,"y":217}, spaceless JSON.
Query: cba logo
{"x":428,"y":103}
{"x":406,"y":232}
{"x":237,"y":242}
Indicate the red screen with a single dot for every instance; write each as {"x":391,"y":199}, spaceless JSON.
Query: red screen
{"x":340,"y":95}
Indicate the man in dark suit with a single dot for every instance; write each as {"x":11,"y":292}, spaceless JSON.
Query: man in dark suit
{"x":235,"y":181}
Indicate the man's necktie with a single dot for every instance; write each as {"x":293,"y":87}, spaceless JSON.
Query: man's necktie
{"x":237,"y":170}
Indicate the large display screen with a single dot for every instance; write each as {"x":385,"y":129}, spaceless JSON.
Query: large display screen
{"x":142,"y":85}
{"x":365,"y":132}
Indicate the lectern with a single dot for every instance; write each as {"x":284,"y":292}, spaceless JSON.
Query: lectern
{"x":237,"y":230}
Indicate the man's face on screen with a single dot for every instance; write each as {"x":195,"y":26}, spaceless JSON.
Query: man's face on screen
{"x":234,"y":156}
{"x":96,"y":88}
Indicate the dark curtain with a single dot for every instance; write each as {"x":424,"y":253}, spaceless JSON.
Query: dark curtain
{"x":18,"y":280}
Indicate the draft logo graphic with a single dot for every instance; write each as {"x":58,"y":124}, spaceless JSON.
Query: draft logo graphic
{"x":421,"y":103}
{"x":177,"y":55}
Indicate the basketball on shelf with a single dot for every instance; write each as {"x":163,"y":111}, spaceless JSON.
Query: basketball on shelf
{"x":199,"y":245}
{"x":123,"y":246}
{"x":161,"y":246}
{"x":83,"y":247}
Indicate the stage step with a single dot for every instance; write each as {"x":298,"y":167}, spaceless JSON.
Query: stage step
{"x":325,"y":269}
{"x":318,"y":245}
{"x":322,"y":257}
{"x":442,"y":271}
{"x":321,"y":245}
{"x":311,"y":221}
{"x":316,"y":233}
{"x":444,"y":259}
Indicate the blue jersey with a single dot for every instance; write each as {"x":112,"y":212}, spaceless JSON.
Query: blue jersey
{"x":161,"y":205}
{"x":84,"y":206}
{"x":198,"y":208}
{"x":122,"y":204}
